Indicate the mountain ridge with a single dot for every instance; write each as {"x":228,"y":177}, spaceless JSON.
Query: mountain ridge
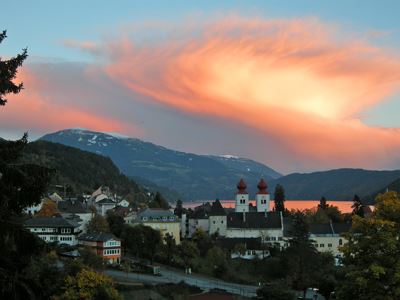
{"x":193,"y":176}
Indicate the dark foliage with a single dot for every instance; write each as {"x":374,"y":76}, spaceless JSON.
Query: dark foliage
{"x":8,"y":72}
{"x":81,"y":171}
{"x":279,"y":198}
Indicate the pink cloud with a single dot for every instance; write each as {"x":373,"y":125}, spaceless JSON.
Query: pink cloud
{"x":34,"y":109}
{"x":293,"y":80}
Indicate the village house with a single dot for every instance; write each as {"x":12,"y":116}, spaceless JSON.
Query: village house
{"x":329,"y":237}
{"x":163,"y":220}
{"x":54,"y":229}
{"x":75,"y":209}
{"x":105,"y":245}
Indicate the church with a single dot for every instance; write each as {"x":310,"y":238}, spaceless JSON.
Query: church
{"x":247,"y":221}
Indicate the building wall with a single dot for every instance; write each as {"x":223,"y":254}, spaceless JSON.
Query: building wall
{"x":173,"y":228}
{"x":194,"y":224}
{"x":217,"y":224}
{"x":54,"y":234}
{"x":254,"y":233}
{"x":328,"y":243}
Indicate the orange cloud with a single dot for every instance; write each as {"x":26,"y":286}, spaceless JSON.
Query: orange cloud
{"x":35,"y":109}
{"x":294,"y":80}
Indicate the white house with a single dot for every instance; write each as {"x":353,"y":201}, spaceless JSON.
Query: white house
{"x":54,"y":229}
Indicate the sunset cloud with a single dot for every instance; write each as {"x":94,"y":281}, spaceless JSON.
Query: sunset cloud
{"x":289,"y":93}
{"x":299,"y":81}
{"x":37,"y":109}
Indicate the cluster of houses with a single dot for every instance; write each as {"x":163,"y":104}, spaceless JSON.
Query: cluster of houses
{"x":253,"y":227}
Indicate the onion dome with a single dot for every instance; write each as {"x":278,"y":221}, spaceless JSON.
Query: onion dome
{"x":262,"y":187}
{"x":241,"y":186}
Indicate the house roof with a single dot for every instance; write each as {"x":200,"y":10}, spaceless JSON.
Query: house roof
{"x":73,"y":206}
{"x":254,"y":220}
{"x":121,"y":210}
{"x":156,"y":213}
{"x":105,"y":201}
{"x":97,"y":237}
{"x":340,"y":228}
{"x":56,"y":221}
{"x":329,"y":228}
{"x":201,"y":212}
{"x":217,"y":209}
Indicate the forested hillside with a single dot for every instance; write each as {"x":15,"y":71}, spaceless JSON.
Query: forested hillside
{"x":81,"y":171}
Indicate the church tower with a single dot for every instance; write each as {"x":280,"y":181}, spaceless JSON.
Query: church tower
{"x":262,"y":197}
{"x":242,"y":197}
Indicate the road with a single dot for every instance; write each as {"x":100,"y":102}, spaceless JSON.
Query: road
{"x":175,"y":276}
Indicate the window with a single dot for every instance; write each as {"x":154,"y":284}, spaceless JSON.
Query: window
{"x":254,"y":252}
{"x":222,"y":222}
{"x":273,"y":238}
{"x":280,"y":238}
{"x":321,"y":245}
{"x":65,"y":230}
{"x":340,"y":242}
{"x":330,"y":245}
{"x":213,"y":222}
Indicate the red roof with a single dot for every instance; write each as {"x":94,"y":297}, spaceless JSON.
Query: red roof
{"x":241,"y":186}
{"x":262,"y":187}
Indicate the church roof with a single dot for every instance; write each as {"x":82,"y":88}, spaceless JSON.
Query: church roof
{"x":252,"y":220}
{"x":217,"y":209}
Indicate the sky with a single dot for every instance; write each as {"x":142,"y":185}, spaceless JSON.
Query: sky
{"x":297,"y":85}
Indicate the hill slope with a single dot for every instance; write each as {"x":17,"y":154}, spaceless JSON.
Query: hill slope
{"x":339,"y":184}
{"x":192,"y":176}
{"x":82,"y":170}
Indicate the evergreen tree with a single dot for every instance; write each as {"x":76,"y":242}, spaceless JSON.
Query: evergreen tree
{"x":8,"y":72}
{"x":357,"y":206}
{"x":279,"y":198}
{"x":179,"y":208}
{"x":322,"y":203}
{"x":159,"y":202}
{"x":21,"y":185}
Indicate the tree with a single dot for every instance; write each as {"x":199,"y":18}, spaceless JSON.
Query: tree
{"x":8,"y":72}
{"x":216,"y":257}
{"x":188,"y":251}
{"x":98,"y":224}
{"x":372,"y":253}
{"x":357,"y":206}
{"x":301,"y":259}
{"x":21,"y":185}
{"x":275,"y":291}
{"x":115,"y":222}
{"x":49,"y":209}
{"x":179,"y":208}
{"x":279,"y":198}
{"x":89,"y":285}
{"x":240,"y":248}
{"x":203,"y":241}
{"x":170,"y":246}
{"x":322,"y":203}
{"x":159,"y":202}
{"x":142,"y":241}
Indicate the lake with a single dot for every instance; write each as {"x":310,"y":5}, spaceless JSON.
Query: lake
{"x":344,"y":206}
